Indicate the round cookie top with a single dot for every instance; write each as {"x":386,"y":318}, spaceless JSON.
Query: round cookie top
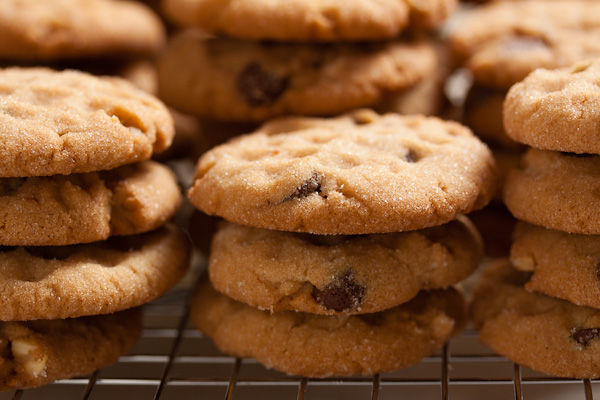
{"x":276,"y":271}
{"x":501,"y":50}
{"x":555,"y":190}
{"x":89,"y":279}
{"x":327,"y":345}
{"x":546,"y":334}
{"x":60,"y":29}
{"x":80,"y":208}
{"x":354,"y":174}
{"x":557,"y":109}
{"x":315,"y":20}
{"x":564,"y":265}
{"x":68,"y":122}
{"x":35,"y":353}
{"x":244,"y":81}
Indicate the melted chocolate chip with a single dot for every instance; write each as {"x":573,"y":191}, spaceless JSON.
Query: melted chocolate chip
{"x":411,"y":156}
{"x":311,"y":185}
{"x":51,"y":252}
{"x":583,"y":336}
{"x":258,"y":86}
{"x":341,"y":294}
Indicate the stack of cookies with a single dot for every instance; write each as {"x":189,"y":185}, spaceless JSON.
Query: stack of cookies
{"x":545,"y":314}
{"x":301,"y":58}
{"x":342,"y":242}
{"x":82,"y":221}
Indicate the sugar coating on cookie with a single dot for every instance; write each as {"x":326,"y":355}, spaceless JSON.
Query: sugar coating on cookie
{"x":80,"y":208}
{"x":315,"y":20}
{"x":564,"y":265}
{"x":502,"y":49}
{"x":557,"y":109}
{"x":545,"y":334}
{"x":324,"y":274}
{"x":36,"y":353}
{"x":63,"y":29}
{"x":326,"y":345}
{"x":233,"y":80}
{"x":355,"y":174}
{"x":555,"y":190}
{"x":98,"y":278}
{"x":69,"y":122}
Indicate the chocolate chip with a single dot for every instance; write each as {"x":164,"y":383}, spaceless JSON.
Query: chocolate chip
{"x":411,"y":156}
{"x":341,"y":294}
{"x":258,"y":86}
{"x":584,"y":335}
{"x":51,"y":252}
{"x":311,"y":185}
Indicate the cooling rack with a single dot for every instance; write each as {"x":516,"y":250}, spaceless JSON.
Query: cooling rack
{"x":174,"y":361}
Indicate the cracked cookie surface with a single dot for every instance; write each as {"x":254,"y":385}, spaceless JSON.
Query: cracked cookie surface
{"x":318,"y":274}
{"x":355,"y":174}
{"x":543,"y":333}
{"x":555,"y":190}
{"x":80,"y":208}
{"x":70,"y":122}
{"x":502,"y":50}
{"x":557,"y":109}
{"x":88,"y":279}
{"x":60,"y":29}
{"x":314,"y":20}
{"x":236,"y":80}
{"x":326,"y":345}
{"x":35,"y":353}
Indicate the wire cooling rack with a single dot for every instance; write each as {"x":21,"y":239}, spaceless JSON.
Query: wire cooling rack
{"x":174,"y":361}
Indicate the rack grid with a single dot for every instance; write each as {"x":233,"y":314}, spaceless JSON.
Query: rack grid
{"x":175,"y":361}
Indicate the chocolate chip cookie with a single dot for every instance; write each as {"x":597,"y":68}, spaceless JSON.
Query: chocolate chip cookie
{"x":564,"y":265}
{"x":503,"y":41}
{"x":557,"y":109}
{"x":555,"y":190}
{"x":71,"y":122}
{"x":64,"y":29}
{"x":325,"y":345}
{"x":97,"y":278}
{"x":234,"y":80}
{"x":543,"y":333}
{"x":80,"y":208}
{"x":315,"y":20}
{"x":35,"y":353}
{"x":335,"y":274}
{"x":355,"y":174}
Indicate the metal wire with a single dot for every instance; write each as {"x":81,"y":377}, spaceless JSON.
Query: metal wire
{"x":462,"y":369}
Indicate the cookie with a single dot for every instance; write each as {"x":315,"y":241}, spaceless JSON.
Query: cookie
{"x":564,"y":265}
{"x":89,"y":279}
{"x":557,"y":109}
{"x":35,"y":353}
{"x":354,"y":174}
{"x":80,"y":208}
{"x":233,"y":80}
{"x":483,"y":114}
{"x":277,"y":271}
{"x":297,"y":20}
{"x":318,"y":345}
{"x":60,"y":29}
{"x":70,"y":122}
{"x":542,"y":333}
{"x":555,"y":190}
{"x":502,"y":50}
